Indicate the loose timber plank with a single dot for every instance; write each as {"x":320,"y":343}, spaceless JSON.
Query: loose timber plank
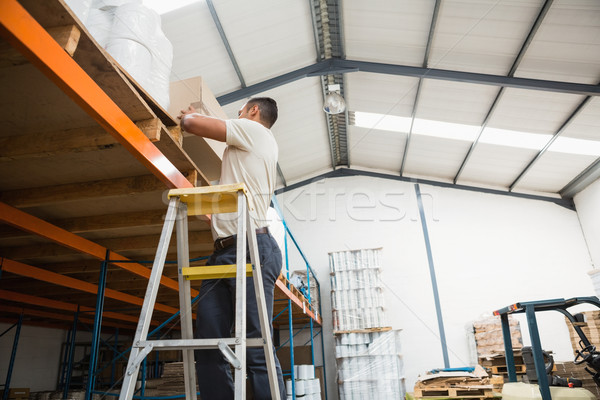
{"x":67,"y":37}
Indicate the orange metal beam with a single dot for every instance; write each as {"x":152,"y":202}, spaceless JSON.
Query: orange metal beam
{"x":61,"y":317}
{"x":61,"y":305}
{"x":296,"y":300}
{"x":24,"y":33}
{"x":29,"y":223}
{"x":29,"y":271}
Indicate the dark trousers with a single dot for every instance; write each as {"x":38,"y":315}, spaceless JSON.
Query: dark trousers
{"x":216,"y":318}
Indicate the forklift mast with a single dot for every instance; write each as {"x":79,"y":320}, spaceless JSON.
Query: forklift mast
{"x":587,"y":353}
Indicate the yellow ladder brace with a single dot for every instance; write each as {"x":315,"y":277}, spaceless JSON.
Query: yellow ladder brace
{"x":213,"y":272}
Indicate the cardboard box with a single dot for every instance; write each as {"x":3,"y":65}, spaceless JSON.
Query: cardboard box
{"x":302,"y":355}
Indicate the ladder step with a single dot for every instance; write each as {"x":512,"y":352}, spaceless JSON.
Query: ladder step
{"x":213,"y":272}
{"x":211,"y":199}
{"x":180,"y":344}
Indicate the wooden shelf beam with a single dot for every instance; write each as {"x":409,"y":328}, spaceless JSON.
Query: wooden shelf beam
{"x":24,"y":33}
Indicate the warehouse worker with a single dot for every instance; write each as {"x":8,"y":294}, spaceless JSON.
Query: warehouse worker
{"x":251,"y":158}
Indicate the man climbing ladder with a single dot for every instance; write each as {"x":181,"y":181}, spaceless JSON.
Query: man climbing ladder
{"x":250,"y":158}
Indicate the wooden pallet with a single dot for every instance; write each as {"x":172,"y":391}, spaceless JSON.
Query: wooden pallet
{"x":454,"y":392}
{"x":366,"y":330}
{"x":499,"y":361}
{"x":503,"y":369}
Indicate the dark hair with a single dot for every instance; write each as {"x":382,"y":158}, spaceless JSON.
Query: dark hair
{"x":267,"y":107}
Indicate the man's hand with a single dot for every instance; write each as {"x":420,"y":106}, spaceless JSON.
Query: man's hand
{"x":189,"y":110}
{"x":201,"y":125}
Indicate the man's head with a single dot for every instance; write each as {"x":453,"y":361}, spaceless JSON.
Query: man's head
{"x":261,"y":109}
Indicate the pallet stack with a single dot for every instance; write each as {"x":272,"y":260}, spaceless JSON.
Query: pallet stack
{"x":356,"y":290}
{"x":495,"y":364}
{"x":370,"y":365}
{"x":367,"y":351}
{"x":489,"y":338}
{"x":591,"y":329}
{"x":452,"y":385}
{"x":306,"y":385}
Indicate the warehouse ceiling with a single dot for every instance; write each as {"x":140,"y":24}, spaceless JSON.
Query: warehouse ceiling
{"x":496,"y":94}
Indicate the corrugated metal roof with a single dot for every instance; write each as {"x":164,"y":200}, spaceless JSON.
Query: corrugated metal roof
{"x":280,"y":45}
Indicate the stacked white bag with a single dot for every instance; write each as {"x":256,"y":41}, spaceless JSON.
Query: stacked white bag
{"x":81,"y":8}
{"x":132,"y":35}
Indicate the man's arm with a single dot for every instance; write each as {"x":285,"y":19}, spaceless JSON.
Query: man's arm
{"x":202,"y":125}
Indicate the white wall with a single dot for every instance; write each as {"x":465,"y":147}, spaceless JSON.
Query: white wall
{"x":37,"y":363}
{"x":587,"y":203}
{"x":489,"y":251}
{"x":37,"y":359}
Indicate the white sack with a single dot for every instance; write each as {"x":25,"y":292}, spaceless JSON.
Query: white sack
{"x":99,"y":24}
{"x":81,"y":8}
{"x":133,"y":56}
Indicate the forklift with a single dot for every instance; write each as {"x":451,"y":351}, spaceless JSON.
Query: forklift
{"x":548,"y":388}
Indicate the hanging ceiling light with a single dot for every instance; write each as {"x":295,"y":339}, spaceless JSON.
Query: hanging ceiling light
{"x":334,"y":102}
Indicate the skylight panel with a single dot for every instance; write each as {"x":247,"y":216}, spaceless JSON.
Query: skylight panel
{"x":575,"y":146}
{"x":504,"y":137}
{"x":445,"y":130}
{"x":382,"y":122}
{"x":495,"y":136}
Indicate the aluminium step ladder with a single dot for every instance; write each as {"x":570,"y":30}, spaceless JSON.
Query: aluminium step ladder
{"x":202,"y":201}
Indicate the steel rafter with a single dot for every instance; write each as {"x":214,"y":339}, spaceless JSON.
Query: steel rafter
{"x":511,"y":73}
{"x":434,"y":17}
{"x":562,"y":128}
{"x":217,"y":21}
{"x":233,"y":60}
{"x":24,"y":33}
{"x":336,"y":65}
{"x":581,"y":181}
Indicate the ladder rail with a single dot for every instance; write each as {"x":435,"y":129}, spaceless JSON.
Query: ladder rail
{"x":240,"y":299}
{"x":141,"y":332}
{"x":187,"y":332}
{"x":261,"y":304}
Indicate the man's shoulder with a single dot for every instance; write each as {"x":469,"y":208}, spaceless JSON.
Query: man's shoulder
{"x":247,"y":124}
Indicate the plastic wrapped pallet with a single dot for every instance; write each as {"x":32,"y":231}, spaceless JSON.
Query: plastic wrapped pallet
{"x":132,"y":35}
{"x":370,"y":365}
{"x":489,"y":338}
{"x":356,"y":290}
{"x":306,"y":386}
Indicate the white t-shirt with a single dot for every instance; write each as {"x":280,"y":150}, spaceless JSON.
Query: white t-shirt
{"x":251,"y":158}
